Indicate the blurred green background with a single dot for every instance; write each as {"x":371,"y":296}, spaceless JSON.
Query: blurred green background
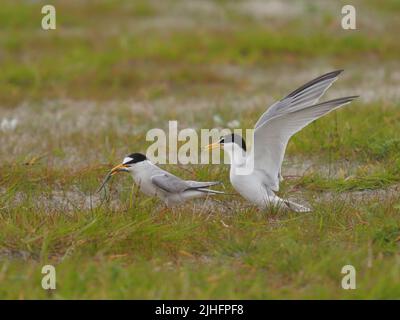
{"x":75,"y":100}
{"x":150,"y":49}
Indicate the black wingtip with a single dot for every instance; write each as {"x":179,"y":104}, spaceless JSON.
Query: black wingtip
{"x":332,"y":74}
{"x":329,"y":75}
{"x":337,"y":72}
{"x":351,"y":98}
{"x":337,"y":101}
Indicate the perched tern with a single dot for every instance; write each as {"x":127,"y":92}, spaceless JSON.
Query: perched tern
{"x":272,"y":132}
{"x":153,"y":181}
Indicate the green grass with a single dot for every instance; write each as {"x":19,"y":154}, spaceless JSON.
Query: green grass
{"x":129,"y":54}
{"x":136,"y":253}
{"x":86,"y":94}
{"x":126,"y":249}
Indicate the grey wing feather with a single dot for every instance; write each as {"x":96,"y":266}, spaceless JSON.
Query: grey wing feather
{"x":306,"y":95}
{"x":205,"y":190}
{"x":200,"y":184}
{"x":169,"y":183}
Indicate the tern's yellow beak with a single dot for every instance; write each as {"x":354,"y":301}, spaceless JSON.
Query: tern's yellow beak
{"x":211,"y":146}
{"x":119,"y":168}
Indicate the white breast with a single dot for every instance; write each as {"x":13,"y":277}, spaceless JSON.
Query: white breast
{"x":250,"y":187}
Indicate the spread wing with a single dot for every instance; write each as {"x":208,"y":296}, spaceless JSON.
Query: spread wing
{"x":286,"y":117}
{"x":307,"y":95}
{"x":271,"y":138}
{"x":172,"y":184}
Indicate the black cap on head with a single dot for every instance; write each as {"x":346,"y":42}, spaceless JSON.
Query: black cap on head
{"x":135,"y":158}
{"x":234,"y":138}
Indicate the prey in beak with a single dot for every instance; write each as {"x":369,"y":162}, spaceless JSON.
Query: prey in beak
{"x":119,"y":168}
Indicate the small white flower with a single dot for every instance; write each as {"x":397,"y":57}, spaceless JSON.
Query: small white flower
{"x":217,"y":119}
{"x":233,"y":124}
{"x":8,"y":124}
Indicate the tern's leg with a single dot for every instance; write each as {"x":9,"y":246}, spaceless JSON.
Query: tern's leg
{"x":164,"y":211}
{"x":296,"y":207}
{"x":273,"y":200}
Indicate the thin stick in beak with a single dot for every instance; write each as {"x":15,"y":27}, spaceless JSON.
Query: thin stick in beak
{"x":108,"y":177}
{"x":113,"y":171}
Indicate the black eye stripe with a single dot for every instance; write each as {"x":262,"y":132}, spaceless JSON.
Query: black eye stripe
{"x":234,"y":138}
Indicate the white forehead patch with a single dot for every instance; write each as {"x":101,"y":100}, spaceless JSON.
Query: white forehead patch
{"x":127,"y":159}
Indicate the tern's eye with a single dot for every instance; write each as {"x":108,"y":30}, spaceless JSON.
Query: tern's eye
{"x":221,"y":141}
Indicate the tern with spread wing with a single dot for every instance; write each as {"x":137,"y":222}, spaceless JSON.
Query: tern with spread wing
{"x":153,"y":181}
{"x":271,"y":135}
